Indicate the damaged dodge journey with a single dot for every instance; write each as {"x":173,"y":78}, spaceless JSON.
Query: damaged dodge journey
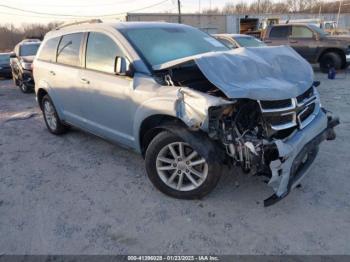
{"x":185,"y":102}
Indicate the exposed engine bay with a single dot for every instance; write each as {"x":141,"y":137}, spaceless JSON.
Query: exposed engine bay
{"x":255,"y":133}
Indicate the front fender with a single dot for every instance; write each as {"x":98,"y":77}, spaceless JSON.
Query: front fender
{"x":188,"y":105}
{"x":154,"y":106}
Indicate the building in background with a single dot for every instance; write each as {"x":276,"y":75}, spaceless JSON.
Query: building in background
{"x":217,"y":24}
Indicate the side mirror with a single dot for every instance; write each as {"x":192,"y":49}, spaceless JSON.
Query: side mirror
{"x":12,"y":55}
{"x":317,"y":83}
{"x":316,"y":37}
{"x":123,"y":67}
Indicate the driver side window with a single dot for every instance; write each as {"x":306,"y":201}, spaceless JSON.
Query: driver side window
{"x":101,"y":52}
{"x":301,"y":32}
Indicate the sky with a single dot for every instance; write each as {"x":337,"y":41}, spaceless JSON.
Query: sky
{"x":41,"y":11}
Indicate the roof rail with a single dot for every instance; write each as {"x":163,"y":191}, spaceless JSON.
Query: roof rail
{"x":90,"y":21}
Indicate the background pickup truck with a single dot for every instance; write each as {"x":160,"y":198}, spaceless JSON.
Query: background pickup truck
{"x":312,"y":43}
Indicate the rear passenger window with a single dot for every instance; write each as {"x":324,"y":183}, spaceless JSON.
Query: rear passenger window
{"x":49,"y":50}
{"x":101,"y":52}
{"x":69,"y":49}
{"x":279,"y":32}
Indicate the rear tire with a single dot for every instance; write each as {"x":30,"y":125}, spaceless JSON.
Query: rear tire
{"x":24,"y":88}
{"x":52,"y":121}
{"x":175,"y":173}
{"x":329,"y":60}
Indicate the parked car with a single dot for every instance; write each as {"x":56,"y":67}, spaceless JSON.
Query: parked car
{"x":238,"y":40}
{"x":168,"y":92}
{"x":21,"y":64}
{"x":312,"y":43}
{"x":5,"y":68}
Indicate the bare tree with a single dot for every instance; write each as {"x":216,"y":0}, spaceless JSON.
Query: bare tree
{"x":11,"y":35}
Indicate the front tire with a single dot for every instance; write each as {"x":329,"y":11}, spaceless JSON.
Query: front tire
{"x":175,"y":167}
{"x":52,"y":121}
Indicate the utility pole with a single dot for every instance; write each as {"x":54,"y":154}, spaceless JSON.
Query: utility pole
{"x":179,"y":8}
{"x":340,"y":3}
{"x":258,"y":7}
{"x":320,"y":11}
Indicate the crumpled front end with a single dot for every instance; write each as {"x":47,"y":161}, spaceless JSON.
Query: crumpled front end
{"x":278,"y":139}
{"x":261,"y":106}
{"x":295,"y":155}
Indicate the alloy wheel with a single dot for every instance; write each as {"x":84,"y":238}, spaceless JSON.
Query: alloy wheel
{"x":180,"y":167}
{"x":50,"y":115}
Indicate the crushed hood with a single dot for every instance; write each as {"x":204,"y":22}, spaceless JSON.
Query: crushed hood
{"x":259,"y":73}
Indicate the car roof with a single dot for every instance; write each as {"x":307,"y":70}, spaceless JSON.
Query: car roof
{"x":112,"y":25}
{"x":233,"y":35}
{"x":29,"y":43}
{"x":291,"y":24}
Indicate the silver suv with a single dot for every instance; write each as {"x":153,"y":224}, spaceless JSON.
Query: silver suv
{"x":185,"y":102}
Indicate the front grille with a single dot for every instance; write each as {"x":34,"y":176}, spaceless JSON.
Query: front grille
{"x":307,"y":112}
{"x":279,"y":120}
{"x":276,"y":104}
{"x":290,"y":113}
{"x":306,"y":95}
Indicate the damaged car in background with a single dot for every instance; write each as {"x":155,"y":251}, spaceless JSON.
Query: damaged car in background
{"x":186,"y":102}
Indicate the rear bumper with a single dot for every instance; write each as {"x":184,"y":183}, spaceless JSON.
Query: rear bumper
{"x":297,"y":154}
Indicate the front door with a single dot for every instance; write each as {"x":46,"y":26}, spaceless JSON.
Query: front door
{"x":107,"y":105}
{"x":303,"y":41}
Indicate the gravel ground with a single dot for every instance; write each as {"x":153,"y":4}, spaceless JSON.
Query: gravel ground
{"x":78,"y":194}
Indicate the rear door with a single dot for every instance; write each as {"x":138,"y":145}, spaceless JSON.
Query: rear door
{"x":106,"y":105}
{"x":65,"y":77}
{"x":278,"y":35}
{"x":303,"y":41}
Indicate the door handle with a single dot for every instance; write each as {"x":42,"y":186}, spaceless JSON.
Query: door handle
{"x":293,"y":41}
{"x":52,"y":73}
{"x":84,"y":81}
{"x":268,"y":41}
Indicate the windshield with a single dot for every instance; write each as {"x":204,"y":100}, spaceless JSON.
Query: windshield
{"x":29,"y":50}
{"x":163,"y":44}
{"x":318,"y":30}
{"x":247,"y":41}
{"x":4,"y":59}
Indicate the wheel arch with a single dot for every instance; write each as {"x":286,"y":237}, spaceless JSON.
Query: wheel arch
{"x":339,"y":51}
{"x":40,"y":95}
{"x":152,"y":126}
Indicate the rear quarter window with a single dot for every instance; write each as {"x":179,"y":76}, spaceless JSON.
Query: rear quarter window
{"x":49,"y":50}
{"x":69,"y":49}
{"x":279,"y":32}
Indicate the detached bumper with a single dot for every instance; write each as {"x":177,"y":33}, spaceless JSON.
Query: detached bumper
{"x":296,"y":155}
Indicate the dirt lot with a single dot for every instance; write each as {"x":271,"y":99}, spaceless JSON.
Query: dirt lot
{"x":78,"y":194}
